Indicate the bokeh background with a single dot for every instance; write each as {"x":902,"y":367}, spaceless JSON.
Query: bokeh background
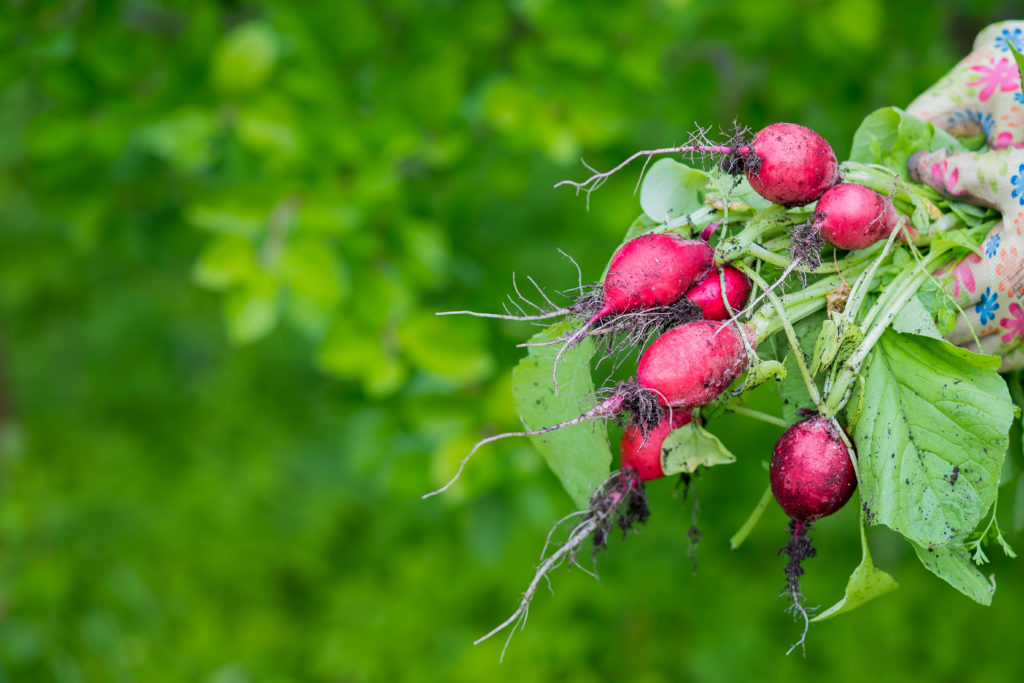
{"x":224,"y":229}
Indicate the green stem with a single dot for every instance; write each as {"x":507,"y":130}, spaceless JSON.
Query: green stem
{"x":755,"y":516}
{"x":794,"y":342}
{"x":757,"y":415}
{"x":881,"y":315}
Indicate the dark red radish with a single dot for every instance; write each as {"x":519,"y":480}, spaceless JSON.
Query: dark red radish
{"x":707,"y":293}
{"x":794,"y":165}
{"x":642,"y":451}
{"x":653,"y":270}
{"x":686,"y":367}
{"x":853,"y":216}
{"x":692,"y":364}
{"x":811,"y":473}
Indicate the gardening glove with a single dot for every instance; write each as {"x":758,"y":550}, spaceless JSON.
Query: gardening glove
{"x":982,"y":94}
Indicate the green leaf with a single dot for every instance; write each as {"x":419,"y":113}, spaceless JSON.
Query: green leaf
{"x":952,"y":564}
{"x":866,"y":583}
{"x":826,"y":347}
{"x":931,"y":437}
{"x":672,"y":189}
{"x":245,"y":57}
{"x":914,"y":318}
{"x":457,"y":350}
{"x":226,"y":260}
{"x":1017,"y":57}
{"x":251,"y":311}
{"x":579,"y":455}
{"x":687,"y":448}
{"x":888,"y":136}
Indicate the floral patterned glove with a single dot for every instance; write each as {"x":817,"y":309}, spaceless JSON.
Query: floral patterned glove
{"x":982,"y":94}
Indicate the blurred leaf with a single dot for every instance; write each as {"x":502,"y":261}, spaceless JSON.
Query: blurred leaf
{"x":225,"y":261}
{"x":184,"y":139}
{"x":245,"y":57}
{"x":251,"y":311}
{"x":313,"y":271}
{"x":445,"y":346}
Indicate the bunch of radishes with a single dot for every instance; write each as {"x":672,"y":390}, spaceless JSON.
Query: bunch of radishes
{"x":686,"y":305}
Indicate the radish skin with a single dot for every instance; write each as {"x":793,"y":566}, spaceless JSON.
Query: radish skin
{"x":707,"y":293}
{"x":642,"y":451}
{"x":796,"y":165}
{"x":811,"y":473}
{"x":853,"y":216}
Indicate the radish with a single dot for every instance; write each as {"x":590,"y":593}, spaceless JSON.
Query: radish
{"x":811,"y":476}
{"x":692,"y":364}
{"x":647,"y":272}
{"x":811,"y":473}
{"x":785,"y":163}
{"x":686,"y":367}
{"x":707,"y":293}
{"x":793,"y":165}
{"x":653,"y":270}
{"x":642,"y":451}
{"x":853,"y":216}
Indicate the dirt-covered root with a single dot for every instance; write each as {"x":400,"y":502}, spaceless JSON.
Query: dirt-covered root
{"x":642,"y":404}
{"x":798,"y":549}
{"x":621,"y":501}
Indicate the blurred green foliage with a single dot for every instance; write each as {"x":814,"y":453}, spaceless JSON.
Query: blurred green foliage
{"x":224,"y":228}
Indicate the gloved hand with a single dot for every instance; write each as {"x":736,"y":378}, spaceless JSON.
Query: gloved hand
{"x":982,"y":94}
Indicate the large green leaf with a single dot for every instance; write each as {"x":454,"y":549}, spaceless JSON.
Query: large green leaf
{"x":672,"y":189}
{"x":888,"y":136}
{"x":952,"y":564}
{"x":931,"y":437}
{"x":579,"y":455}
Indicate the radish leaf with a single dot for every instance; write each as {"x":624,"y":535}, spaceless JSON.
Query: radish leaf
{"x":888,"y":136}
{"x":687,"y":448}
{"x":671,"y":189}
{"x":579,"y":455}
{"x":866,"y":583}
{"x":952,"y":564}
{"x":931,"y":437}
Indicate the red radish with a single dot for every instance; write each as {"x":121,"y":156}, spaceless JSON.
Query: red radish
{"x":642,"y":451}
{"x":707,"y":293}
{"x":692,"y":364}
{"x":811,"y":472}
{"x":786,"y":163}
{"x":794,"y":164}
{"x":652,"y":271}
{"x":853,"y":216}
{"x":686,"y":367}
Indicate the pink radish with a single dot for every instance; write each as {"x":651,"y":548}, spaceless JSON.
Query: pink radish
{"x":794,"y":165}
{"x":786,"y":163}
{"x":707,"y":293}
{"x":811,"y":472}
{"x":853,"y":216}
{"x":686,"y":367}
{"x":692,"y":364}
{"x":642,"y":451}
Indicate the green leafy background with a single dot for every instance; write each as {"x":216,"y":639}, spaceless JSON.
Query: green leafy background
{"x":224,"y":229}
